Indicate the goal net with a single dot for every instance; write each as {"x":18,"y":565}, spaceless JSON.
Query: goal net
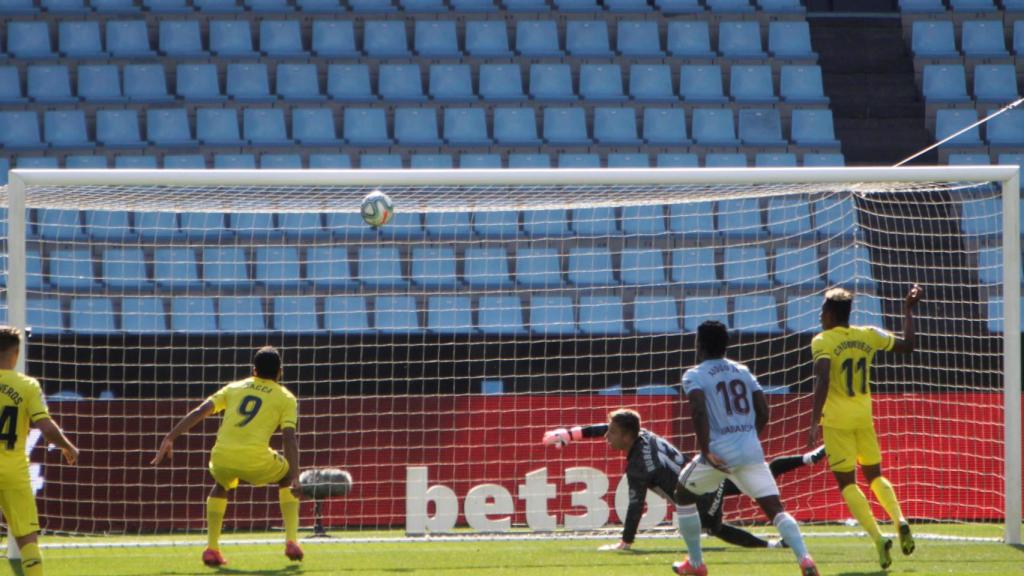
{"x":430,"y":355}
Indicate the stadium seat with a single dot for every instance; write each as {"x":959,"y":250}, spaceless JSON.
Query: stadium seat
{"x":277,"y":268}
{"x":850,"y":267}
{"x":479,"y":160}
{"x":265,"y":127}
{"x":933,"y":39}
{"x":29,"y":40}
{"x":169,"y":127}
{"x":587,"y":39}
{"x":334,"y":39}
{"x":143,"y":316}
{"x":448,"y":225}
{"x":824,"y":160}
{"x":949,"y":121}
{"x":241,"y":314}
{"x":159,"y":227}
{"x":92,"y":316}
{"x":436,"y":39}
{"x":601,"y":315}
{"x":628,"y":160}
{"x":537,"y":39}
{"x":579,"y":160}
{"x":627,"y":6}
{"x":790,"y":40}
{"x":615,"y":126}
{"x":982,"y":217}
{"x":945,"y":84}
{"x":502,"y":225}
{"x":601,"y":83}
{"x":451,"y":83}
{"x":725,"y":160}
{"x":689,"y":39}
{"x":400,"y":83}
{"x":798,"y":268}
{"x":990,"y":266}
{"x":835,"y":216}
{"x":546,"y":223}
{"x":146,"y":84}
{"x":781,"y":6}
{"x":551,"y":83}
{"x":193,"y":314}
{"x":218,"y":127}
{"x":515,"y":127}
{"x":714,"y":127}
{"x":371,"y":6}
{"x":968,"y":159}
{"x":599,"y":221}
{"x":802,"y":313}
{"x":180,"y":39}
{"x":565,"y":127}
{"x":729,"y":6}
{"x":577,"y":6}
{"x":779,"y":160}
{"x":740,"y":39}
{"x":64,"y":7}
{"x":346,"y":314}
{"x":473,"y":6}
{"x":135,"y":161}
{"x":423,"y":6}
{"x":302,"y":226}
{"x":10,"y":86}
{"x":85,"y":162}
{"x":655,"y":315}
{"x":256,"y":226}
{"x":500,"y":315}
{"x":48,"y":84}
{"x":100,"y":84}
{"x":128,"y":39}
{"x":124,"y":270}
{"x":56,"y":225}
{"x":693,"y":219}
{"x":487,"y":268}
{"x":867,"y":311}
{"x":638,"y":39}
{"x":185,"y":161}
{"x":590,"y":266}
{"x":327,"y":267}
{"x":71,"y":269}
{"x":385,"y":39}
{"x":366,"y":127}
{"x":697,"y":310}
{"x":329,"y":161}
{"x":813,"y":128}
{"x":642,"y":267}
{"x":802,"y":85}
{"x":761,"y":128}
{"x":65,"y":129}
{"x":217,"y":6}
{"x":450,"y":315}
{"x":1007,"y":129}
{"x":248,"y":83}
{"x":44,"y":315}
{"x":501,"y":83}
{"x":746,"y":268}
{"x":210,"y":227}
{"x":701,"y":83}
{"x":36,"y":162}
{"x":552,"y":316}
{"x":538,"y":268}
{"x":118,"y":129}
{"x":972,"y":5}
{"x":396,"y":315}
{"x":756,"y":314}
{"x":665,"y":127}
{"x":231,"y":39}
{"x":380,"y":267}
{"x":79,"y":40}
{"x":198,"y":83}
{"x":431,"y":161}
{"x":380,"y":161}
{"x":526,"y":160}
{"x":922,"y":7}
{"x":752,"y":85}
{"x":167,"y":6}
{"x":651,"y":83}
{"x":314,"y":127}
{"x":465,"y":127}
{"x":643,"y":220}
{"x":487,"y":39}
{"x":434,"y":267}
{"x":17,"y":7}
{"x":983,"y":39}
{"x":298,"y":83}
{"x":281,"y":39}
{"x":349,"y":83}
{"x":995,"y":83}
{"x":790,"y":217}
{"x":295,"y":315}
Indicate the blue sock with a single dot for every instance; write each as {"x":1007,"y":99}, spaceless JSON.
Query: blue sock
{"x":790,"y":532}
{"x":689,"y":527}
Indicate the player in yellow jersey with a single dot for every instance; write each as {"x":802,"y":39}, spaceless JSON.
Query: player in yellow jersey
{"x":842,"y":406}
{"x":254,"y":408}
{"x":22,"y":405}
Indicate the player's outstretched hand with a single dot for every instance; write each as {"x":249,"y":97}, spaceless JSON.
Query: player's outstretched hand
{"x":70,"y":455}
{"x":166,"y":451}
{"x":716,"y":462}
{"x":620,"y":545}
{"x":557,"y":438}
{"x":913,"y":296}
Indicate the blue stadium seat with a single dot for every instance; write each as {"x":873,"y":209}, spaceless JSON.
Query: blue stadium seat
{"x":502,"y":225}
{"x":124,"y":270}
{"x":366,"y":127}
{"x":757,"y":314}
{"x":922,"y":6}
{"x":945,"y":84}
{"x":92,"y":316}
{"x":802,"y":313}
{"x":587,"y":38}
{"x":44,"y":315}
{"x":465,"y":127}
{"x":771,"y":160}
{"x":100,"y":84}
{"x":10,"y":86}
{"x":982,"y":217}
{"x":701,"y":83}
{"x":400,"y":83}
{"x":185,"y":161}
{"x":314,"y":127}
{"x":256,"y":226}
{"x":436,"y":39}
{"x":696,"y":310}
{"x":590,"y":266}
{"x":972,"y":5}
{"x":813,"y":128}
{"x":17,"y":7}
{"x":346,"y":314}
{"x":298,"y":83}
{"x":143,"y":315}
{"x":628,"y":160}
{"x":802,"y":85}
{"x":385,"y":39}
{"x":781,"y":6}
{"x":448,"y":225}
{"x":79,"y":40}
{"x":643,"y":220}
{"x":968,"y":159}
{"x":551,"y":82}
{"x":790,"y":217}
{"x":1018,"y":37}
{"x":995,"y":83}
{"x":349,"y":83}
{"x":689,"y":39}
{"x":36,"y":162}
{"x":169,"y":127}
{"x":198,"y":83}
{"x":380,"y":161}
{"x":835,"y":216}
{"x":655,"y":315}
{"x":371,"y":6}
{"x":327,"y":267}
{"x":334,"y":39}
{"x":380,"y":267}
{"x":217,"y":6}
{"x":933,"y":39}
{"x":180,"y":39}
{"x":790,"y":40}
{"x":423,"y":6}
{"x":995,"y":314}
{"x":478,"y":160}
{"x":265,"y":127}
{"x":295,"y":315}
{"x":642,"y":267}
{"x":537,"y":38}
{"x":277,"y":268}
{"x":638,"y":39}
{"x":431,"y":161}
{"x":146,"y":84}
{"x":434,"y":267}
{"x":515,"y":127}
{"x":990,"y":266}
{"x":538,"y":268}
{"x":501,"y":315}
{"x":135,"y":162}
{"x":473,"y":6}
{"x":303,"y":226}
{"x":241,"y":314}
{"x":761,"y":128}
{"x":193,"y":314}
{"x":595,"y":221}
{"x":824,"y":160}
{"x":579,"y":160}
{"x":158,"y":227}
{"x":128,"y":39}
{"x":665,"y":127}
{"x":223,"y":268}
{"x":615,"y":126}
{"x":58,"y":225}
{"x":167,"y":6}
{"x":552,"y":316}
{"x":527,"y":160}
{"x":281,"y":39}
{"x":85,"y":162}
{"x":565,"y":127}
{"x":714,"y":127}
{"x":627,"y":6}
{"x":1007,"y":129}
{"x":798,"y":268}
{"x":329,"y":161}
{"x":114,"y":6}
{"x":267,"y":6}
{"x":984,"y":39}
{"x":29,"y":40}
{"x":850,"y":267}
{"x":730,"y":6}
{"x":577,"y":6}
{"x":746,"y":268}
{"x":118,"y":129}
{"x":487,"y":268}
{"x":752,"y":84}
{"x":501,"y":83}
{"x":695,"y":220}
{"x":950,"y":121}
{"x":396,"y":315}
{"x":49,"y":85}
{"x":651,"y":83}
{"x":601,"y":83}
{"x":71,"y":269}
{"x":672,"y":7}
{"x":248,"y":83}
{"x":546,"y":223}
{"x":65,"y":129}
{"x":487,"y":38}
{"x":64,"y":7}
{"x":231,"y":39}
{"x":218,"y":127}
{"x":449,"y":315}
{"x":867,"y":311}
{"x":725,"y":160}
{"x":740,"y":39}
{"x":208,"y":227}
{"x":451,"y":83}
{"x":601,"y":315}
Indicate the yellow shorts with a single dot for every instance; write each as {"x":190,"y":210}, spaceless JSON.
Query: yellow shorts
{"x":19,"y":508}
{"x":847,"y":447}
{"x":263,"y":470}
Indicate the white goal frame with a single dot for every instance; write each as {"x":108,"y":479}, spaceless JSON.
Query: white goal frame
{"x":1007,"y":176}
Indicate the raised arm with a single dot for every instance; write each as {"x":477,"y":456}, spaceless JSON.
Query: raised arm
{"x":54,"y":435}
{"x":197,"y":415}
{"x":563,"y":436}
{"x":906,"y":344}
{"x":822,"y":367}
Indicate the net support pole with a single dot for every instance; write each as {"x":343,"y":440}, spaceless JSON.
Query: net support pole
{"x":16,"y":267}
{"x":1011,"y":356}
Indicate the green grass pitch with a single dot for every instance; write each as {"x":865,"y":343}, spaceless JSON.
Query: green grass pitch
{"x":843,"y":556}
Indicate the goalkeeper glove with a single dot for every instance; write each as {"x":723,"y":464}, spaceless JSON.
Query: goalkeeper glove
{"x":561,"y":436}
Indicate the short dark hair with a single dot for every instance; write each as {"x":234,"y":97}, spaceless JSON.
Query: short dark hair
{"x":628,"y":420}
{"x":712,"y":338}
{"x":10,"y":337}
{"x":267,"y":362}
{"x":838,"y":303}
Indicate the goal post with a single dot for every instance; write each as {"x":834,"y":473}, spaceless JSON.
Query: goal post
{"x":878,"y":190}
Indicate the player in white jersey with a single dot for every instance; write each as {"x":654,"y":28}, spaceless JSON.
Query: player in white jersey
{"x":729,"y":412}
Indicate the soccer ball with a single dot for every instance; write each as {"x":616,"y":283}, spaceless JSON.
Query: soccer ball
{"x":320,"y":483}
{"x":377,"y":209}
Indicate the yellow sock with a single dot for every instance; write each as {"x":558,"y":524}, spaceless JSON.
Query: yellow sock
{"x":861,"y":510}
{"x":887,"y":498}
{"x":31,"y":560}
{"x":215,"y":509}
{"x":290,"y":514}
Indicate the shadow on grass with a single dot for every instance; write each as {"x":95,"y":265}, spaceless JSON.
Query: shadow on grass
{"x":290,"y":569}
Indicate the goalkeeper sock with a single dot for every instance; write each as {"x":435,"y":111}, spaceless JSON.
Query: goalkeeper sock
{"x":861,"y":510}
{"x":790,"y":532}
{"x":31,"y":560}
{"x":290,"y":514}
{"x":887,"y":497}
{"x":215,"y":509}
{"x":689,"y":527}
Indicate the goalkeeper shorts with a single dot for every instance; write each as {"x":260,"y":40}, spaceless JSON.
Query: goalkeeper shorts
{"x":19,"y":508}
